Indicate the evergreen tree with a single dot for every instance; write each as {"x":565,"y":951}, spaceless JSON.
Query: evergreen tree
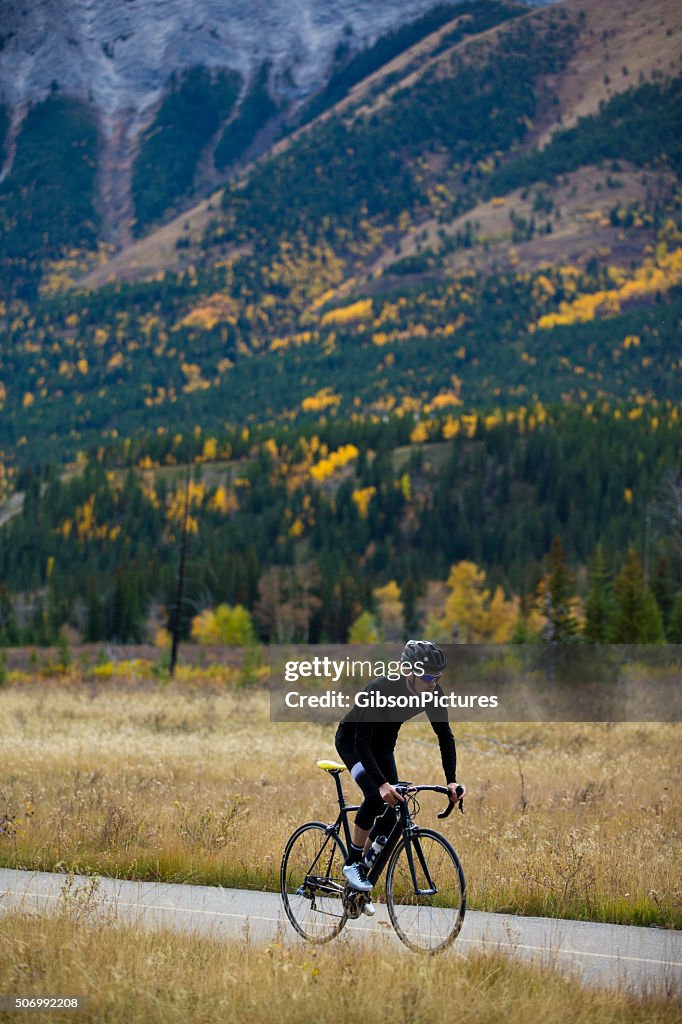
{"x":9,"y":632}
{"x":94,"y":629}
{"x":674,"y":634}
{"x":559,"y":589}
{"x":637,"y":618}
{"x":599,"y":606}
{"x":39,"y":630}
{"x":125,"y":612}
{"x":410,"y":602}
{"x":663,"y":589}
{"x":653,"y":631}
{"x":522,"y":634}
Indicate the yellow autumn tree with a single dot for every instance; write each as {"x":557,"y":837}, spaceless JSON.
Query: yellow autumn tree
{"x":360,"y":310}
{"x":390,"y":610}
{"x":326,"y":467}
{"x":364,"y":630}
{"x":362,"y":497}
{"x":323,"y":399}
{"x":473,"y":613}
{"x":228,"y":625}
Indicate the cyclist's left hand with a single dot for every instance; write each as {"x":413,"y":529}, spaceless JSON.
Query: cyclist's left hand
{"x":455,"y":796}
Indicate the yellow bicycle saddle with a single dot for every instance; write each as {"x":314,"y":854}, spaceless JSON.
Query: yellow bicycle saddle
{"x":331,"y":766}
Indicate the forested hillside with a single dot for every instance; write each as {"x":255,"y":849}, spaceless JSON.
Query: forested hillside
{"x":310,"y":529}
{"x":163,"y":173}
{"x":437,"y":322}
{"x":47,"y":203}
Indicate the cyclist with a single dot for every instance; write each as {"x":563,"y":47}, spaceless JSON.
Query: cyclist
{"x":365,"y":740}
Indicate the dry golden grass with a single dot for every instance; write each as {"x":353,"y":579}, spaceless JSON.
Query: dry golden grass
{"x":573,"y":820}
{"x":126,"y":974}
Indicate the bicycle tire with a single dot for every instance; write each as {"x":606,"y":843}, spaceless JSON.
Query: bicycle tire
{"x":316,"y":915}
{"x":426,"y":923}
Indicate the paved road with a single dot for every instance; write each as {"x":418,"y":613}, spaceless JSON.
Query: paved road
{"x":640,"y":959}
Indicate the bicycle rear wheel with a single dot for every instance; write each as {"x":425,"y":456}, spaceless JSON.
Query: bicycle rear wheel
{"x":427,"y":915}
{"x":311,"y":882}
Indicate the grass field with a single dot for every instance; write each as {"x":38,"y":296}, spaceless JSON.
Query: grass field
{"x":196,"y":784}
{"x":122,"y":973}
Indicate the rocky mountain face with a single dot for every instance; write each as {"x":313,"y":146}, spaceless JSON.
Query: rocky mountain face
{"x":119,"y":56}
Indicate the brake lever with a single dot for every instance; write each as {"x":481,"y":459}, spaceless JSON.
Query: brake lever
{"x":449,"y":809}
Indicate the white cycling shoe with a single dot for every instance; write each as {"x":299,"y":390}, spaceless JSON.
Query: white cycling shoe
{"x":356,"y":876}
{"x":369,"y":910}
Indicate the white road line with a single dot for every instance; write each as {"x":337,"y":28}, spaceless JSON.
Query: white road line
{"x":153,"y":906}
{"x":577,"y":952}
{"x":275,"y":920}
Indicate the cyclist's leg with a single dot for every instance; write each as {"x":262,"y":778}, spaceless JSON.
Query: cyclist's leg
{"x":384,"y":822}
{"x":374,"y":817}
{"x":372,"y":803}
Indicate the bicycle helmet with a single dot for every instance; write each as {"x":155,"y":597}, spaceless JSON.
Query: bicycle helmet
{"x":427,"y":654}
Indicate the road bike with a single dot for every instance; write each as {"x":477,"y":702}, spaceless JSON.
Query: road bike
{"x":425,"y":886}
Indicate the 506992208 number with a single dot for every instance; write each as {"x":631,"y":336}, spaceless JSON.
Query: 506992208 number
{"x":25,"y":1002}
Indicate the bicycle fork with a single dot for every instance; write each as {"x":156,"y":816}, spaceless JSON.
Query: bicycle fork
{"x":414,"y":844}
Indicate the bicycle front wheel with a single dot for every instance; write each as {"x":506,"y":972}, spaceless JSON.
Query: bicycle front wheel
{"x":425,"y":891}
{"x":312,"y":883}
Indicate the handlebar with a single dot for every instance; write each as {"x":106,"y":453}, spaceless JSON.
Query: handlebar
{"x":406,"y":787}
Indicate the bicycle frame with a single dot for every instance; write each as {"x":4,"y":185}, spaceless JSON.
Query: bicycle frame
{"x":344,"y":810}
{"x":404,"y":825}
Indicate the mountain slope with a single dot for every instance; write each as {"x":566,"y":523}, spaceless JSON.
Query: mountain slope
{"x":154,"y":254}
{"x":336,"y":278}
{"x":644,"y":36}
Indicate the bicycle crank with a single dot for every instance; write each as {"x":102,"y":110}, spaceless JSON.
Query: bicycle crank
{"x":353,"y":902}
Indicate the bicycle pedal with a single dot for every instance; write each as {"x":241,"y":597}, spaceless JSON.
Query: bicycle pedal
{"x":351,"y":903}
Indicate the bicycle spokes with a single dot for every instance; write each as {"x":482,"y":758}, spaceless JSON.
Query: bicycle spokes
{"x":312,"y":882}
{"x":425,"y":892}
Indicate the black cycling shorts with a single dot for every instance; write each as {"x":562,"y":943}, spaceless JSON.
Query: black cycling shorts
{"x":373,"y":804}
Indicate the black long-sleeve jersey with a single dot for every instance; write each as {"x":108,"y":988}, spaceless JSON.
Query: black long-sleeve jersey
{"x":375,"y":732}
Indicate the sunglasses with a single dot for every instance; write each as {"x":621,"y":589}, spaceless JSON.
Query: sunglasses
{"x":431,"y":679}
